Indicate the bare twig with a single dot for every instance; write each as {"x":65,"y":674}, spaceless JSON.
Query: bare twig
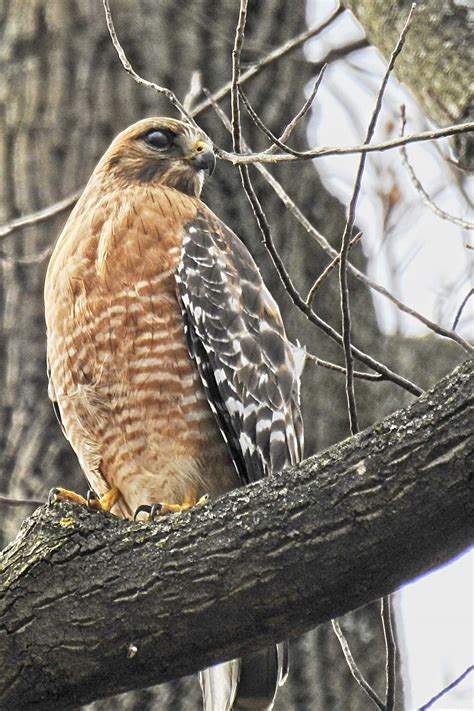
{"x":12,"y":501}
{"x":346,"y":237}
{"x":419,"y":187}
{"x":373,"y":696}
{"x":390,"y":645}
{"x":271,"y":57}
{"x":28,"y":259}
{"x":324,"y":244}
{"x":324,"y":274}
{"x":264,"y":157}
{"x":44,"y":214}
{"x":340,"y":52}
{"x":195,"y":88}
{"x":447,"y":688}
{"x":461,"y":308}
{"x":303,"y":306}
{"x":390,"y":653}
{"x":170,"y":95}
{"x":374,"y":377}
{"x":302,"y":112}
{"x":280,"y":142}
{"x":234,"y":91}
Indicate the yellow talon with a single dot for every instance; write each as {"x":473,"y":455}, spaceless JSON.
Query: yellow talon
{"x":105,"y":502}
{"x":163,"y":508}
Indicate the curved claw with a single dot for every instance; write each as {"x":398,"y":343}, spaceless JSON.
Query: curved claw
{"x":52,"y":495}
{"x":150,"y":510}
{"x":91,"y":496}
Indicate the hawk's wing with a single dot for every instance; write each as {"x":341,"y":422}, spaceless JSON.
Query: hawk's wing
{"x":235,"y":333}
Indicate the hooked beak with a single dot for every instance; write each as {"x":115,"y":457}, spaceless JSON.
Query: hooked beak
{"x":204,"y":160}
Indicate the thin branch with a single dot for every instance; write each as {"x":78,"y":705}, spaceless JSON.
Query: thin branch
{"x":390,"y":653}
{"x":373,"y":377}
{"x":170,"y":95}
{"x":324,"y":244}
{"x":302,"y":112}
{"x":461,"y":308}
{"x":325,"y":273}
{"x":271,"y":57}
{"x":306,"y":310}
{"x":279,"y":142}
{"x":263,"y":157}
{"x":419,"y":187}
{"x":44,"y":214}
{"x":28,"y":259}
{"x":12,"y":501}
{"x":391,"y":648}
{"x":450,"y":686}
{"x":346,"y":237}
{"x":354,"y":669}
{"x":234,"y":91}
{"x":195,"y":88}
{"x":350,"y":393}
{"x":340,"y":52}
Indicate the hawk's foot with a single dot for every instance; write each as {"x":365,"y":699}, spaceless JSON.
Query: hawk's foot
{"x":104,"y":503}
{"x":160,"y":509}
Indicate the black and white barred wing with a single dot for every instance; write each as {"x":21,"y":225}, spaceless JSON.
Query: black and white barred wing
{"x":235,"y":334}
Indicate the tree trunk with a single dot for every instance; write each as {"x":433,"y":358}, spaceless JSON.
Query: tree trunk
{"x":335,"y":532}
{"x":436,"y":62}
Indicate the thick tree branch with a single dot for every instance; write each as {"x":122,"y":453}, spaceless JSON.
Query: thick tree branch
{"x":436,"y":64}
{"x":80,"y":590}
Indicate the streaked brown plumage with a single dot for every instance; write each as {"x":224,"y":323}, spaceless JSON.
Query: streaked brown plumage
{"x":168,"y":360}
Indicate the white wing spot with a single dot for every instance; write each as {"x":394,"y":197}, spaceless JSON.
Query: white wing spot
{"x":246,"y":443}
{"x":263,"y":425}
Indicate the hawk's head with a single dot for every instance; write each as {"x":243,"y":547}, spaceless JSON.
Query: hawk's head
{"x":162,"y":151}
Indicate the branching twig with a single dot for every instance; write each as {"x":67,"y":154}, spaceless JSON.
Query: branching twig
{"x":302,"y":112}
{"x":303,"y":306}
{"x":324,"y":244}
{"x":170,"y":95}
{"x":348,"y":357}
{"x":327,"y":270}
{"x":374,"y":377}
{"x":354,"y":668}
{"x":419,"y":187}
{"x":271,"y":57}
{"x":278,"y":142}
{"x":444,"y":691}
{"x":346,"y":237}
{"x":265,"y":157}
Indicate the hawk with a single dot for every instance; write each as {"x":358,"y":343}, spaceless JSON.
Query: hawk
{"x":168,"y":362}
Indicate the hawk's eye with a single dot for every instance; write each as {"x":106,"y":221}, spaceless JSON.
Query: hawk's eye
{"x":160,"y":139}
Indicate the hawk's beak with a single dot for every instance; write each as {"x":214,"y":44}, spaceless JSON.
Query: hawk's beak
{"x":204,"y":158}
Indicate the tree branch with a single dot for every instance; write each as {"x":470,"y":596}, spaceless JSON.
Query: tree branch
{"x":268,"y":561}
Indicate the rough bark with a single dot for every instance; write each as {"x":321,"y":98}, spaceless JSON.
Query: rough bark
{"x":269,"y":561}
{"x":437,"y":59}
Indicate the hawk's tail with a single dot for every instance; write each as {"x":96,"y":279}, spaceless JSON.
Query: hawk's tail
{"x":247,"y":684}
